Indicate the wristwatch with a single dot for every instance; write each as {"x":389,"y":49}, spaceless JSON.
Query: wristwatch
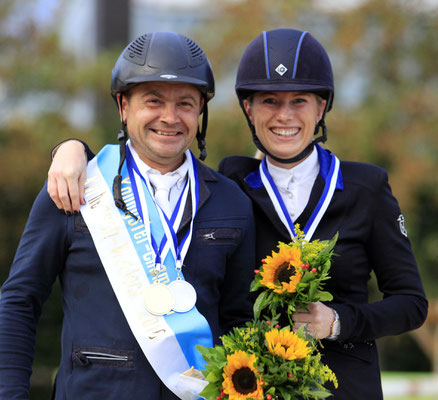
{"x":335,"y":327}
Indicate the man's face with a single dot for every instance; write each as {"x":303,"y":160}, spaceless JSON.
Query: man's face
{"x":162,"y":121}
{"x":284,"y":121}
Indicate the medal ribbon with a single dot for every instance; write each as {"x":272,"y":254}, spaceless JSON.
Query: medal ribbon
{"x":170,"y":226}
{"x":125,"y":249}
{"x":331,"y":179}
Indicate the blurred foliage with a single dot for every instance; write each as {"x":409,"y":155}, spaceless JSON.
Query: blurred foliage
{"x":384,"y":55}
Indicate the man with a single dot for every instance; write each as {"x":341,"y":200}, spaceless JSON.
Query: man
{"x":144,"y":279}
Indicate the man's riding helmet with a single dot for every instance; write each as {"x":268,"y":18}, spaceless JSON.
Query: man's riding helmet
{"x":286,"y":60}
{"x":165,"y":57}
{"x":161,"y":57}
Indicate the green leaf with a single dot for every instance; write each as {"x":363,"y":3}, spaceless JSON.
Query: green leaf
{"x":210,"y":392}
{"x":312,"y":290}
{"x":325,"y":296}
{"x":259,"y":304}
{"x":255,"y":285}
{"x":319,"y":394}
{"x":212,"y":377}
{"x":307,"y":277}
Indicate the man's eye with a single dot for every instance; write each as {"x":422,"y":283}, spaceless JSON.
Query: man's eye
{"x":269,"y":100}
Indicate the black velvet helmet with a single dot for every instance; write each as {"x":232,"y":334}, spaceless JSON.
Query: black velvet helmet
{"x":286,"y":60}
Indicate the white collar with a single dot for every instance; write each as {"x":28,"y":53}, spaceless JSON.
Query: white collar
{"x":300,"y":173}
{"x":145,"y":169}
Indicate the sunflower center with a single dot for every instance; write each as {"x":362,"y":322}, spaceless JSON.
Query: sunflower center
{"x":244,"y":380}
{"x":284,"y":273}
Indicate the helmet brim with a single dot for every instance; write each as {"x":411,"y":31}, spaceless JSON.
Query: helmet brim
{"x":162,"y":77}
{"x":282,"y":86}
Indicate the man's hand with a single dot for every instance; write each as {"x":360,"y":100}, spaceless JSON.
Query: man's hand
{"x":67,"y":176}
{"x":318,"y":320}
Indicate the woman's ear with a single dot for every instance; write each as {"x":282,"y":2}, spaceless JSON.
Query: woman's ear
{"x":247,"y":107}
{"x":321,"y":108}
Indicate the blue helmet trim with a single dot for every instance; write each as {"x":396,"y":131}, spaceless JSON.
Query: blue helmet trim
{"x":297,"y":55}
{"x":265,"y":41}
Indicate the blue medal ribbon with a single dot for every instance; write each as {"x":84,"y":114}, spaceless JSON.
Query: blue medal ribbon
{"x":132,"y":166}
{"x":330,"y":171}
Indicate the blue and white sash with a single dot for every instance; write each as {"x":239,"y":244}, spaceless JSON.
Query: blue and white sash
{"x":125,"y":249}
{"x":332,"y":175}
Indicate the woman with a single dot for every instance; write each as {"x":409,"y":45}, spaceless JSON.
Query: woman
{"x":285,"y":87}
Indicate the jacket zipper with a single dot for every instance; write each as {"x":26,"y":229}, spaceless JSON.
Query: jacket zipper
{"x":91,"y":355}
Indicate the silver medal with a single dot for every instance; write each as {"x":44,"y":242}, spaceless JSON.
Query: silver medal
{"x":184,"y":294}
{"x":158,"y":299}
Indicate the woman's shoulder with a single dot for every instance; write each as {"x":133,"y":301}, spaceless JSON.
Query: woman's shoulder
{"x":365,"y":174}
{"x":238,"y":166}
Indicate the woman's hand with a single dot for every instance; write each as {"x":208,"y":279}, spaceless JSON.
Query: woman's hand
{"x":66,"y":177}
{"x":318,"y":319}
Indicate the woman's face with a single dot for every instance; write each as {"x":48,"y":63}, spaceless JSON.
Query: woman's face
{"x":284,"y":121}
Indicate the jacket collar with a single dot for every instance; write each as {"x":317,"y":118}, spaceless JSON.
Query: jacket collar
{"x":256,"y":190}
{"x":255,"y":181}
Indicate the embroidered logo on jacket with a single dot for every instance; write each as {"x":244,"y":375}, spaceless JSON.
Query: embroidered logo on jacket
{"x":401,"y":222}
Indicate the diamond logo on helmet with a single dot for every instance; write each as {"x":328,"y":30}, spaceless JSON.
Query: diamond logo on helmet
{"x":281,"y":70}
{"x":168,"y":76}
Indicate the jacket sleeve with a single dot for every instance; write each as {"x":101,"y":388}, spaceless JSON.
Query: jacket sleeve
{"x":403,"y":306}
{"x":88,"y":151}
{"x":38,"y":260}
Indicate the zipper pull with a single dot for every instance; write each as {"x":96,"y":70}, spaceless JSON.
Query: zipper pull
{"x":80,"y":359}
{"x":209,"y":236}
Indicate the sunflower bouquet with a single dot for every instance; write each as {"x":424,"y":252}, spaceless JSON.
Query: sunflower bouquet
{"x":293,"y":277}
{"x":264,"y":360}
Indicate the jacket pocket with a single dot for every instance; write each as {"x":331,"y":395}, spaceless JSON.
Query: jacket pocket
{"x":218,"y":236}
{"x":365,"y":351}
{"x":86,"y":356}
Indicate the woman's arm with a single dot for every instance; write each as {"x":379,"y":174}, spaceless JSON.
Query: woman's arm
{"x":67,"y":174}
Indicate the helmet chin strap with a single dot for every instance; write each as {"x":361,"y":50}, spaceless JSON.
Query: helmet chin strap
{"x":301,"y":155}
{"x":200,"y":135}
{"x":122,"y":137}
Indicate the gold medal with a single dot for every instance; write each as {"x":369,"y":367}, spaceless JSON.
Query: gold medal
{"x":158,"y":299}
{"x":184,"y":294}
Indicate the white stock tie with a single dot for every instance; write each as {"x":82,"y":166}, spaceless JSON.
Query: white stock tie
{"x":162,"y":185}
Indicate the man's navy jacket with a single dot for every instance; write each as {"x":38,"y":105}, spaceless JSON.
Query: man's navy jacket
{"x":219,"y":264}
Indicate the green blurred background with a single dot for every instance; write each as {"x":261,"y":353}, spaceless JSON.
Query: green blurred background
{"x":55,"y":65}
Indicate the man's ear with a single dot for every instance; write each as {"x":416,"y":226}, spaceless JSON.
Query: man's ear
{"x":122,"y":103}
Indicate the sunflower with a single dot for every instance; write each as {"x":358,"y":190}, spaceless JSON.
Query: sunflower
{"x":281,"y":271}
{"x":286,"y":344}
{"x":241,"y":379}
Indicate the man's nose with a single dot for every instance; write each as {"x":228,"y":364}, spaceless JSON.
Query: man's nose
{"x":170,"y":114}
